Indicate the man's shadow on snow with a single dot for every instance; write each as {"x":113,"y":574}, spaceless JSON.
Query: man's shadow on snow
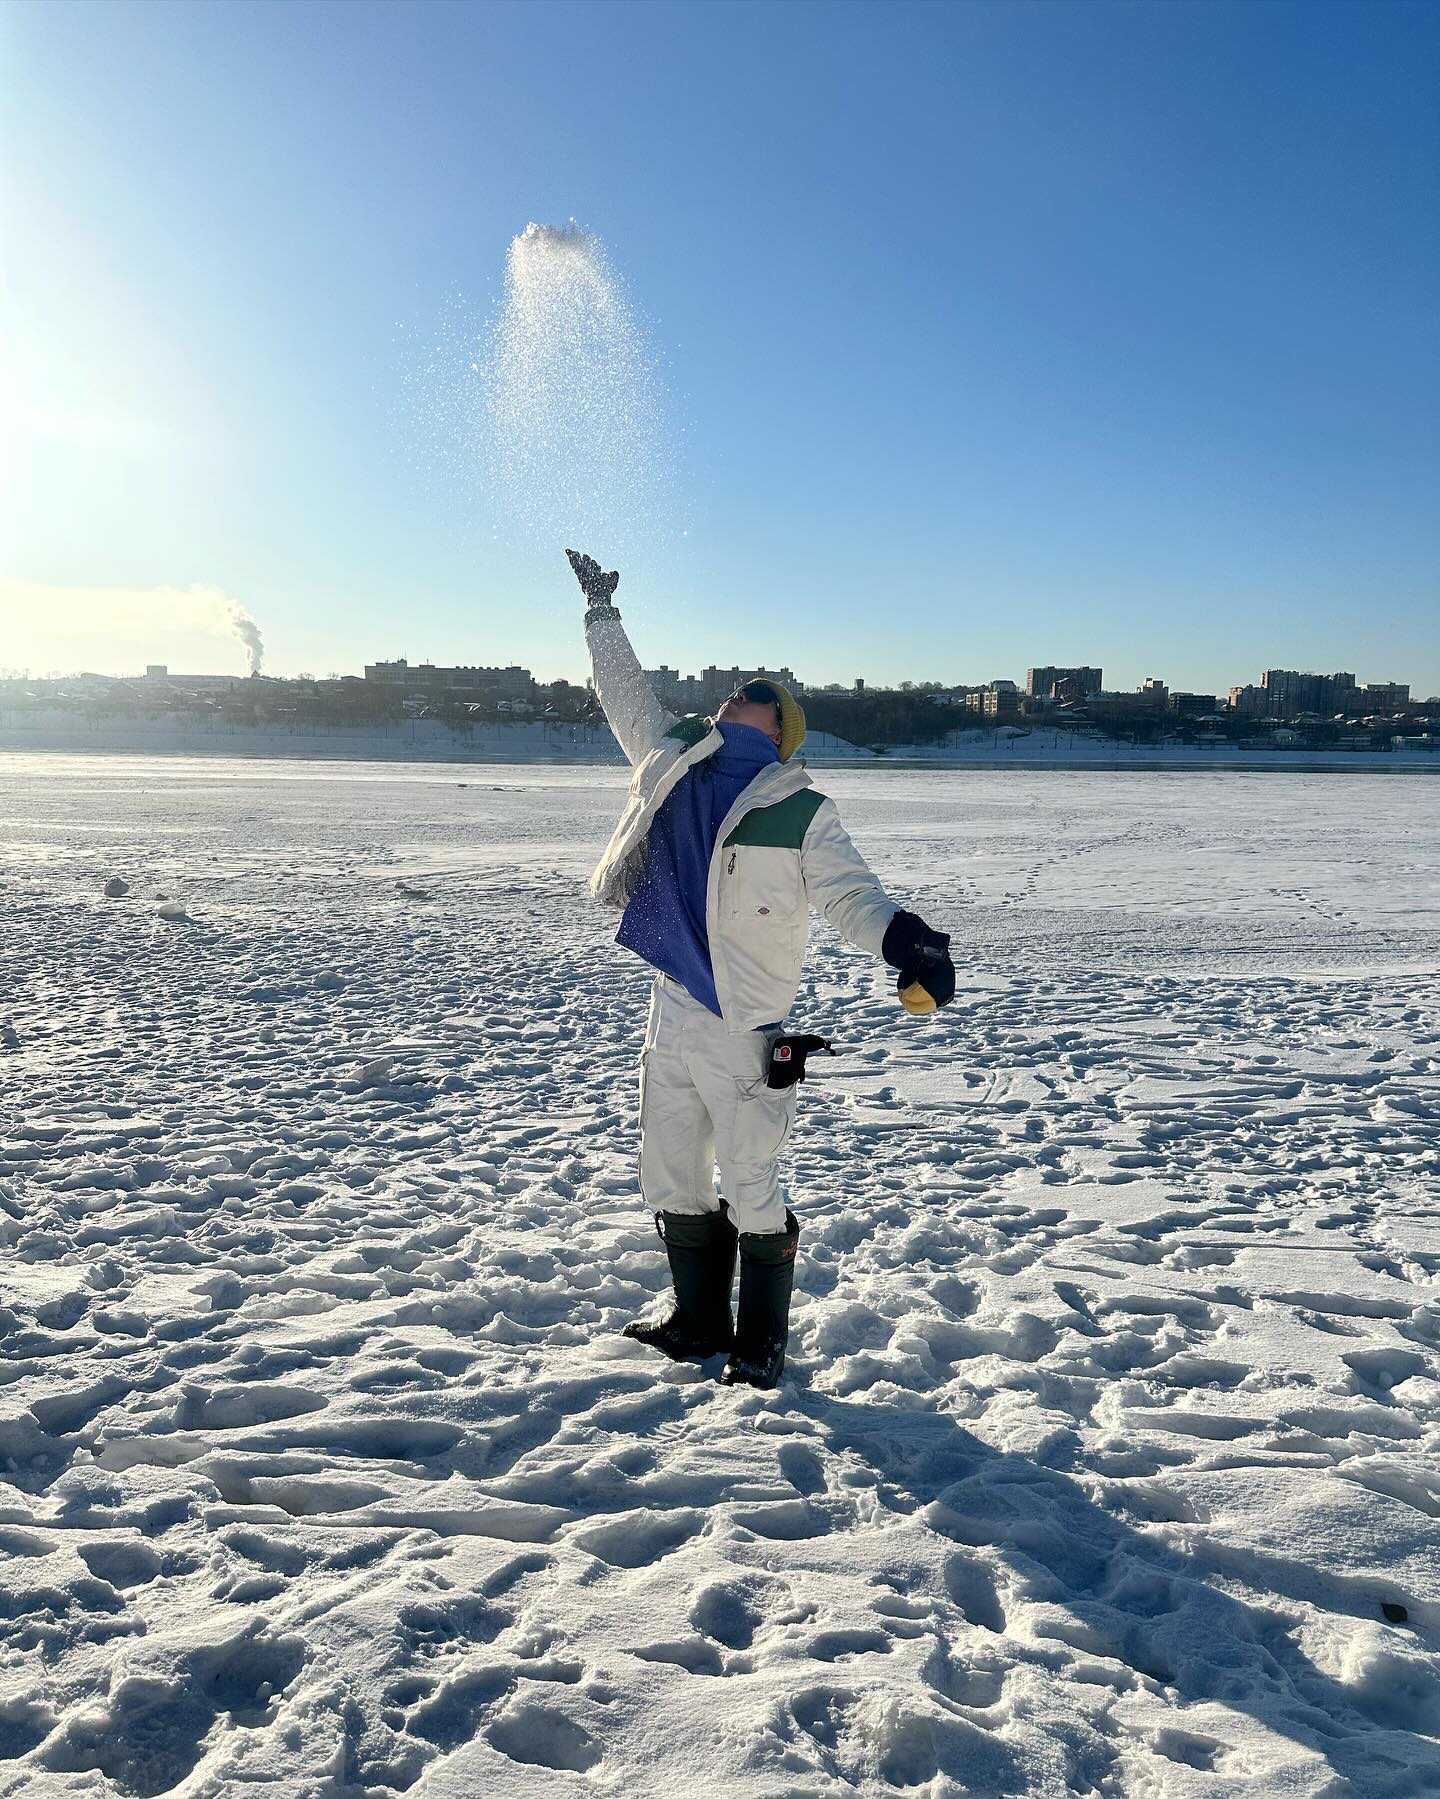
{"x":1122,"y":1593}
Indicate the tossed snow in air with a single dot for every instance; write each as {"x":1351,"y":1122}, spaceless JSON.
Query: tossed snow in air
{"x":546,"y":420}
{"x":572,"y":392}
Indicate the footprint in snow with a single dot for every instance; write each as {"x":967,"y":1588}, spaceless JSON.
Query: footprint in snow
{"x":785,"y":1520}
{"x":242,"y":1407}
{"x":431,"y":1626}
{"x":510,"y":1574}
{"x":971,"y":1586}
{"x":538,"y":1736}
{"x":635,"y":1539}
{"x":449,"y":1711}
{"x":901,"y":1615}
{"x":693,"y":1654}
{"x":823,"y":1714}
{"x":964,"y":1681}
{"x":841,"y":1645}
{"x":122,"y":1562}
{"x":802,"y":1468}
{"x":149,"y":1734}
{"x":733,"y":1611}
{"x":276,"y":1554}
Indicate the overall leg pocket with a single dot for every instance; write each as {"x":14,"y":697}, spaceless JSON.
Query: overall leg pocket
{"x":752,"y":1123}
{"x":764,"y":1117}
{"x":759,"y":1127}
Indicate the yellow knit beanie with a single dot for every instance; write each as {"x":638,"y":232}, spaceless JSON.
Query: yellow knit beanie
{"x":792,"y":720}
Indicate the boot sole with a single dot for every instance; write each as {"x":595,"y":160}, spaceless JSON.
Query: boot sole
{"x":742,"y":1380}
{"x":696,"y":1354}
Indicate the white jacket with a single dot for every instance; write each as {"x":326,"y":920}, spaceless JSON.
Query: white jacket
{"x":780,"y":849}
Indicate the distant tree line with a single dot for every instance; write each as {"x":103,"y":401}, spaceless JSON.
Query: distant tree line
{"x":885,"y":716}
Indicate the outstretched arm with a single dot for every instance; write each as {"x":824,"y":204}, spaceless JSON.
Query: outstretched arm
{"x":840,"y":884}
{"x":634,"y":714}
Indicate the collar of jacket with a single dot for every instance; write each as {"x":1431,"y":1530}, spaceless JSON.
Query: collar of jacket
{"x":776,"y":781}
{"x":651,"y":783}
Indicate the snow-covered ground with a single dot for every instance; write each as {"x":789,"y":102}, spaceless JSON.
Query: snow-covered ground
{"x":1108,"y":1454}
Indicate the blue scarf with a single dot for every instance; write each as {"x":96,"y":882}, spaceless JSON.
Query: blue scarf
{"x":665,"y":920}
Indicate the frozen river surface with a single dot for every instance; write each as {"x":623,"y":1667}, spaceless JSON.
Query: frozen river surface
{"x":1108,"y":1461}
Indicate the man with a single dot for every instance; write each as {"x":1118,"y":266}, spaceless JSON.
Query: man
{"x":722,"y":847}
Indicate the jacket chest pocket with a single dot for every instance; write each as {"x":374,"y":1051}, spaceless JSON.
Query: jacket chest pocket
{"x":761,"y":885}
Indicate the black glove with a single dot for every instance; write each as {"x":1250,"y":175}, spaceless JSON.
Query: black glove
{"x":599,"y":587}
{"x":787,"y":1058}
{"x":927,"y":975}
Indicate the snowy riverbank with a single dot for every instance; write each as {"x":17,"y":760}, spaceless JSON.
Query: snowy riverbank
{"x":408,"y":740}
{"x":1107,"y":1459}
{"x":429,"y":740}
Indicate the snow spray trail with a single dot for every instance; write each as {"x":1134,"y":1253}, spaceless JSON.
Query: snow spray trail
{"x":576,"y":443}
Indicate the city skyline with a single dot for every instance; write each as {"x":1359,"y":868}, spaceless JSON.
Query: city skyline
{"x":398,"y":670}
{"x":978,"y":327}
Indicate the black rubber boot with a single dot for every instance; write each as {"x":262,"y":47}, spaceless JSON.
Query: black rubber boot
{"x":762,"y":1326}
{"x":701,"y":1248}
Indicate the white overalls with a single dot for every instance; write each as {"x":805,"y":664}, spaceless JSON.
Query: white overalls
{"x":703,"y":1100}
{"x":780,"y":850}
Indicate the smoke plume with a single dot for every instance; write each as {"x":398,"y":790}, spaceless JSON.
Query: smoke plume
{"x":117,"y":630}
{"x":245,"y":628}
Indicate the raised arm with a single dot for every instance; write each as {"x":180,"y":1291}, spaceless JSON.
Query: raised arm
{"x":634,"y":714}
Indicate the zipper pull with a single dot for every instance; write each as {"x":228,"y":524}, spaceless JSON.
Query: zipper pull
{"x":730,"y":865}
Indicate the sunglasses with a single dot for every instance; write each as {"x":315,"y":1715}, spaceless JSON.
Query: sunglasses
{"x":758,"y":693}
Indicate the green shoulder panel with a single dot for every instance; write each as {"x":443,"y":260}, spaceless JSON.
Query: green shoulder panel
{"x":781,"y":826}
{"x":690,"y":730}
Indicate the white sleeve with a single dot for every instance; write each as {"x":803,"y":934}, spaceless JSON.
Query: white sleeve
{"x":634,"y":714}
{"x":840,"y":883}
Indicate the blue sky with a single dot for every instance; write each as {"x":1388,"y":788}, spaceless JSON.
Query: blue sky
{"x":997,"y":333}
